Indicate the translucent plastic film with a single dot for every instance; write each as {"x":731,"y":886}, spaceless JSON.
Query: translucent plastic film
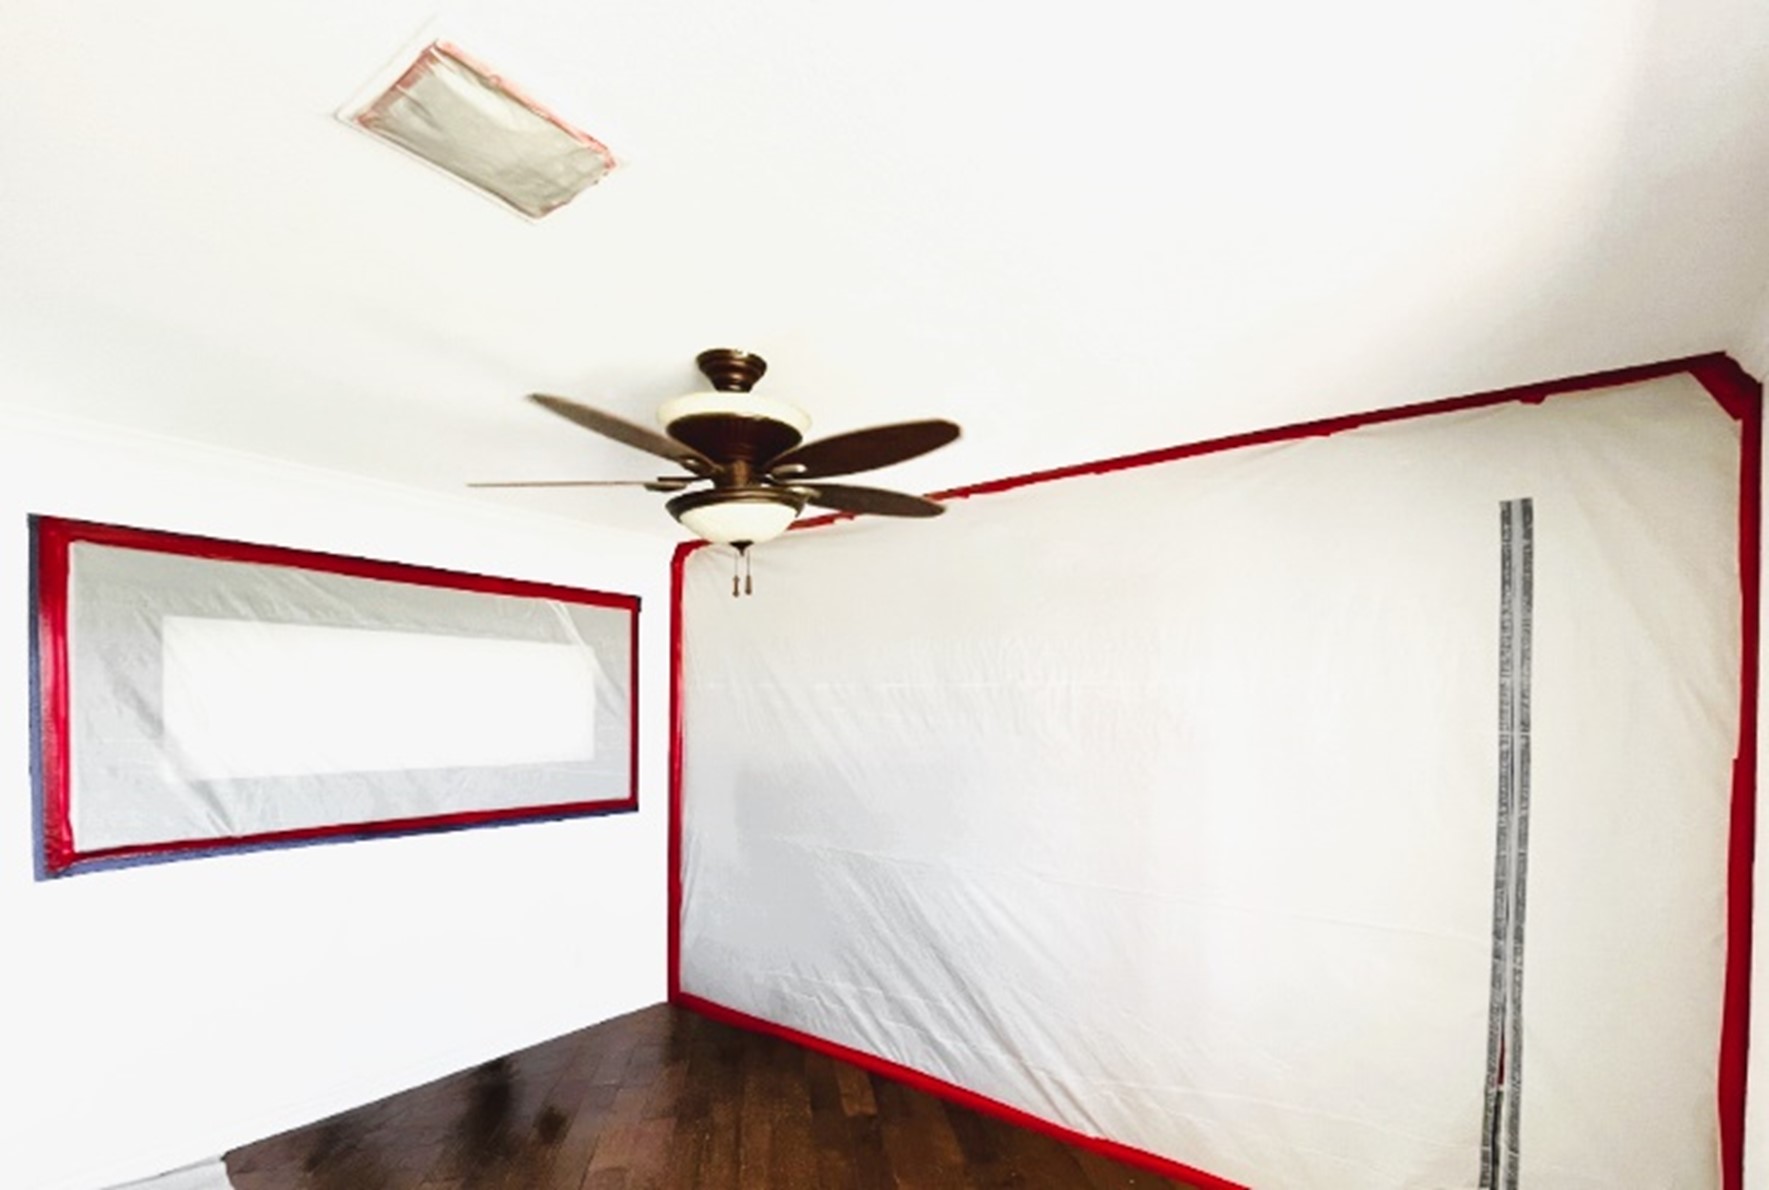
{"x":460,"y":116}
{"x":1162,"y":804}
{"x":211,"y":699}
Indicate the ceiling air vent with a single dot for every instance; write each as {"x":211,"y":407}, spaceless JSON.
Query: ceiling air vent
{"x":458,"y":115}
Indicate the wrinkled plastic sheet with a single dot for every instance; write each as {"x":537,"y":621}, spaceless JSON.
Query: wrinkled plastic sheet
{"x":461,"y":116}
{"x":1161,"y":804}
{"x":218,"y":699}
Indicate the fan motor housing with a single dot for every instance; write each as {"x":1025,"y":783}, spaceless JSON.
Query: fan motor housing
{"x":732,"y":436}
{"x":731,"y":422}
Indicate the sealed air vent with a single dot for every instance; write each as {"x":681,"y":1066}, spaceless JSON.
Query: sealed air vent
{"x":460,"y":116}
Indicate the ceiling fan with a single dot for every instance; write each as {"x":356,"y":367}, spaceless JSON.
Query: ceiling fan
{"x":749,"y":451}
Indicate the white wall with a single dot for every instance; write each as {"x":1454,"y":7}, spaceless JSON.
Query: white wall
{"x":1750,"y":342}
{"x":158,"y":1015}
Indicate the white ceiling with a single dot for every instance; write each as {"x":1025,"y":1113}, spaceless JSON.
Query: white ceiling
{"x":1077,"y":229}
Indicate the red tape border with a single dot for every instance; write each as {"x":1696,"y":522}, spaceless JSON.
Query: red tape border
{"x":54,"y":536}
{"x":1742,"y":397}
{"x":1739,"y":394}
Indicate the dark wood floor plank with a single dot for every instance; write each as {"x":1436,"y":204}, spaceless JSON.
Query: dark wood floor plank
{"x":1039,"y":1162}
{"x":755,"y":1129}
{"x":793,"y":1151}
{"x":856,"y":1090}
{"x":666,"y":1100}
{"x":844,"y":1152}
{"x":587,"y":1107}
{"x":1103,"y":1173}
{"x":718,"y":1075}
{"x":984,"y":1148}
{"x":924,"y":1154}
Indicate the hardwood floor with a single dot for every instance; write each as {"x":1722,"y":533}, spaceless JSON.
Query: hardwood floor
{"x":665,"y":1098}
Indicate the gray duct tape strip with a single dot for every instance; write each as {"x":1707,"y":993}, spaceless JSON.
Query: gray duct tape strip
{"x":1504,"y":1060}
{"x":1524,"y":557}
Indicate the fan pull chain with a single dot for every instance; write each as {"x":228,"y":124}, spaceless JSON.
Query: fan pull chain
{"x":742,"y":581}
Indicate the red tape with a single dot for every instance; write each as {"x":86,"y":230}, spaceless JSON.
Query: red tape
{"x":1741,"y":397}
{"x":54,"y":538}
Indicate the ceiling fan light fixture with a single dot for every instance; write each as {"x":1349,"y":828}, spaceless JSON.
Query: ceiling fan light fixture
{"x":750,"y":448}
{"x":729,"y":516}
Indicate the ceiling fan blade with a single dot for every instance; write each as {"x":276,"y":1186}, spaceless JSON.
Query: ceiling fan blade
{"x":862,"y":450}
{"x":623,"y":431}
{"x":661,"y":484}
{"x":847,"y":497}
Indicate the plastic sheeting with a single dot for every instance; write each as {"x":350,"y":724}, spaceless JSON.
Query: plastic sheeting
{"x":460,"y":116}
{"x":214,"y":699}
{"x":1161,"y":804}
